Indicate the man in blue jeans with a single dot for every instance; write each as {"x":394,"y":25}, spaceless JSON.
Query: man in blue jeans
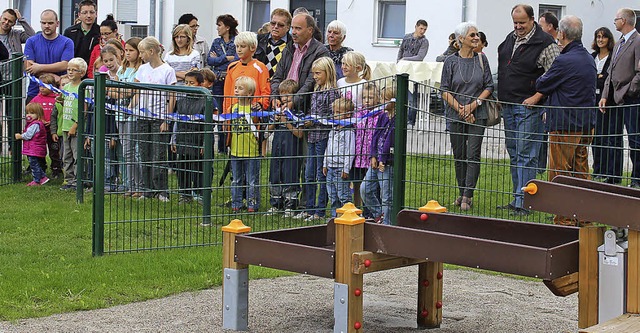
{"x":523,"y":57}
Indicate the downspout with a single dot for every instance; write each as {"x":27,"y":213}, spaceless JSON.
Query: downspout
{"x":464,"y":11}
{"x":152,"y":21}
{"x":161,"y":16}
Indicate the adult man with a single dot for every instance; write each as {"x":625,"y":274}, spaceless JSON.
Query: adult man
{"x":86,"y":34}
{"x":47,"y":52}
{"x":549,"y":24}
{"x":272,"y":45}
{"x":414,"y":47}
{"x":13,"y":39}
{"x":623,"y":86}
{"x":570,"y":83}
{"x":523,"y":57}
{"x":297,"y":59}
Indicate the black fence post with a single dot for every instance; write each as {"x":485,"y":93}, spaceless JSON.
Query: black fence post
{"x":208,"y":160}
{"x":400,"y":146}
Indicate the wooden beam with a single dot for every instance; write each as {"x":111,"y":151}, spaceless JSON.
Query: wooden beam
{"x":633,"y":272}
{"x":367,"y":262}
{"x":564,"y":285}
{"x":430,"y":294}
{"x":350,"y":239}
{"x":627,"y":323}
{"x":590,"y":239}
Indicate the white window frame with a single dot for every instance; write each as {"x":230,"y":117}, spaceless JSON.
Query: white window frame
{"x":379,"y":24}
{"x":249,"y":11}
{"x":557,"y":10}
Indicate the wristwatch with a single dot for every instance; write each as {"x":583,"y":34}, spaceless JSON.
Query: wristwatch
{"x":479,"y":102}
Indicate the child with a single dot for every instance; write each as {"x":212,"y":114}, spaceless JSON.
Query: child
{"x":381,"y":169}
{"x":367,"y":118}
{"x":47,"y":99}
{"x":131,"y":177}
{"x":154,"y":137}
{"x":339,"y":156}
{"x":325,"y":93}
{"x":246,"y":43}
{"x":35,"y":142}
{"x":356,"y":73}
{"x":76,"y":69}
{"x":284,"y":171}
{"x":209,"y":78}
{"x":188,"y":142}
{"x":245,"y":161}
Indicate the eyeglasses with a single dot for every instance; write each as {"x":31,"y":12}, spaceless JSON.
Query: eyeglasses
{"x":617,"y":18}
{"x":85,"y":12}
{"x":73,"y":70}
{"x":278,"y":24}
{"x":194,"y":26}
{"x":474,"y":35}
{"x":106,"y":33}
{"x":180,"y":37}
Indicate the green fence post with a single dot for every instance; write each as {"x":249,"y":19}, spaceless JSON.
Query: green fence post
{"x":15,"y":121}
{"x":80,"y":136}
{"x":208,"y":163}
{"x":400,"y":146}
{"x":99,"y":162}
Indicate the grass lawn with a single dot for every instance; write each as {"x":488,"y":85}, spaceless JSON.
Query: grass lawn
{"x":47,"y":267}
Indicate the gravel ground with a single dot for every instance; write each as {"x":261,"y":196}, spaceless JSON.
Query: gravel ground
{"x":473,"y":302}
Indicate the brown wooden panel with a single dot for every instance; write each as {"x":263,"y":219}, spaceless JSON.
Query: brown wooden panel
{"x":298,"y":258}
{"x":627,"y":323}
{"x":590,"y":239}
{"x":599,"y":186}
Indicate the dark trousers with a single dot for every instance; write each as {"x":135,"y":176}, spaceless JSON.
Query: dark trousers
{"x":466,"y":142}
{"x":600,"y":145}
{"x":284,"y":170}
{"x":189,"y":169}
{"x":629,"y":117}
{"x":153,"y":156}
{"x":54,"y":155}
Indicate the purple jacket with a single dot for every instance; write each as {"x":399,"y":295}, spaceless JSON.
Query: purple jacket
{"x":383,"y":137}
{"x":364,"y":133}
{"x":37,"y":145}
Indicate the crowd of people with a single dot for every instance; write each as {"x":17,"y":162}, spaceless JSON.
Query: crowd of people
{"x":332,"y":128}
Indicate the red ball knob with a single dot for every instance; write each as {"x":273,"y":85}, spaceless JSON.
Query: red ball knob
{"x":425,"y":283}
{"x":439,"y":276}
{"x":424,"y":313}
{"x":367,"y":263}
{"x":439,"y":305}
{"x":357,"y":325}
{"x":357,"y":292}
{"x":424,"y":217}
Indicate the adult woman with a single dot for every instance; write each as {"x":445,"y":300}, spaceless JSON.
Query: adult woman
{"x":602,"y":46}
{"x":108,"y":30}
{"x":199,"y":43}
{"x":466,"y":81}
{"x":336,"y":33}
{"x":182,"y":57}
{"x":221,"y":54}
{"x":482,"y":43}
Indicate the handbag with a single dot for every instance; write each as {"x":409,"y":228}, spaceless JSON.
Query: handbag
{"x":494,"y":109}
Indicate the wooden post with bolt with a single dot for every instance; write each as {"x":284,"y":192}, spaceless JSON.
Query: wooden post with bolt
{"x":348,"y":286}
{"x":633,"y":272}
{"x":430,"y":281}
{"x":235,"y":280}
{"x":590,"y":239}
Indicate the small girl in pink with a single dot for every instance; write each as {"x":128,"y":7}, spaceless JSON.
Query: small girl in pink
{"x":47,"y":98}
{"x":367,"y":118}
{"x":35,"y":142}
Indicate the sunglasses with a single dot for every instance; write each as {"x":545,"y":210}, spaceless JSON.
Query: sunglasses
{"x":474,"y":35}
{"x":278,"y":24}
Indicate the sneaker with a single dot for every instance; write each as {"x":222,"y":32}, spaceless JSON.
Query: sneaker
{"x":313,"y":218}
{"x":33,"y":183}
{"x":44,"y":180}
{"x":272,"y":211}
{"x":301,"y":216}
{"x":197,"y":198}
{"x":68,"y":187}
{"x":289,"y":213}
{"x":183,"y":199}
{"x":251,"y":210}
{"x":205,"y":224}
{"x":56,"y":175}
{"x":163,"y":198}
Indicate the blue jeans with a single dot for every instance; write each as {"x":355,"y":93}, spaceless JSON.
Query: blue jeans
{"x":373,"y":180}
{"x":312,"y":175}
{"x":245,"y":170}
{"x":36,"y":169}
{"x":523,"y":136}
{"x":337,"y":189}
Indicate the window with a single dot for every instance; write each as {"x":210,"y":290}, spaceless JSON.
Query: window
{"x":127,"y":11}
{"x":391,"y":19}
{"x":258,"y":13}
{"x":556,"y":10}
{"x":638,"y":21}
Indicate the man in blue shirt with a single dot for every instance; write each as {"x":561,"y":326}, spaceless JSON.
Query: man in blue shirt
{"x":47,"y":52}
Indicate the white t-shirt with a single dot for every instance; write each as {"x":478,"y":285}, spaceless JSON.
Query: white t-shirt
{"x":353,"y":89}
{"x":155,"y":101}
{"x":183,"y":63}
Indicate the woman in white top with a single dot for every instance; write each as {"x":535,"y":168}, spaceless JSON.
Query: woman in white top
{"x":182,"y":57}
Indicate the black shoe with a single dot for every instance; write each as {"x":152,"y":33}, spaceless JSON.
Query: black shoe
{"x":519,"y":212}
{"x":611,"y":180}
{"x":635,"y":185}
{"x":508,"y":207}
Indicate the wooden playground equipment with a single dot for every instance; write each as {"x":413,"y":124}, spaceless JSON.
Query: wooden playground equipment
{"x":345,"y":249}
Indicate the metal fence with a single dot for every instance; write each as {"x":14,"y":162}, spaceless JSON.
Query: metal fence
{"x":11,"y":120}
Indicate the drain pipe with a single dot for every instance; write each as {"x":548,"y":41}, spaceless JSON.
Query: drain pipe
{"x":152,"y":17}
{"x":464,"y":11}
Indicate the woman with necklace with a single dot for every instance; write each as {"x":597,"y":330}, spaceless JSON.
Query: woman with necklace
{"x":603,"y":154}
{"x":466,"y":82}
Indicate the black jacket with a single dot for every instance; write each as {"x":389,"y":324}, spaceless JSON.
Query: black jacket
{"x":263,"y":41}
{"x":83,"y":44}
